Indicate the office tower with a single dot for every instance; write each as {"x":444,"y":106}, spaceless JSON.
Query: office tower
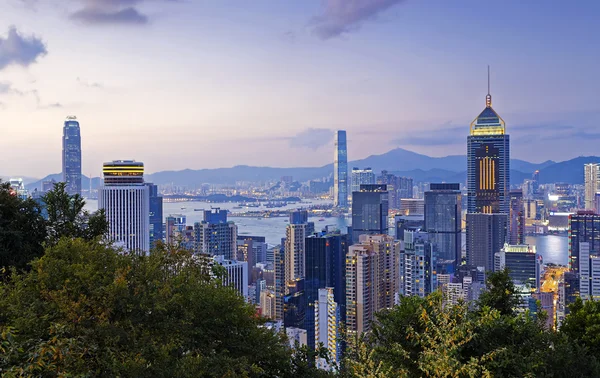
{"x":443,"y":220}
{"x":417,"y":265}
{"x":568,"y":292}
{"x":583,"y":227}
{"x":279,"y":281}
{"x":405,"y":187}
{"x":255,"y":243}
{"x":408,"y":222}
{"x":369,"y":211}
{"x":391,"y":181}
{"x":175,"y":225}
{"x":340,"y":171}
{"x":126,"y":202}
{"x":71,"y":155}
{"x":327,"y":322}
{"x":361,"y":177}
{"x":412,"y":206}
{"x":215,"y":235}
{"x":516,"y":230}
{"x":589,"y":272}
{"x":156,"y":214}
{"x":294,"y":304}
{"x":486,"y":234}
{"x":267,"y":304}
{"x":523,"y":263}
{"x":325,"y":267}
{"x":488,"y":183}
{"x":368,"y":284}
{"x":294,"y":245}
{"x":237,"y":274}
{"x":592,"y":184}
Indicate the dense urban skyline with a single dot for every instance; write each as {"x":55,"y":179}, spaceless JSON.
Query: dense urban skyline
{"x":268,"y":83}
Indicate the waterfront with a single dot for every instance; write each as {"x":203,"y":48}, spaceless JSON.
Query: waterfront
{"x":553,"y":248}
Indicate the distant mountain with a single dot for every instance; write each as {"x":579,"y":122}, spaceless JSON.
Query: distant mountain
{"x":570,"y":171}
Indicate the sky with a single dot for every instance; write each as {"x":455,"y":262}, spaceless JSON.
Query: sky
{"x":204,"y":84}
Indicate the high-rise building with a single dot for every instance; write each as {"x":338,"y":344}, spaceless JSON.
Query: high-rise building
{"x":279,"y":281}
{"x":327,"y":322}
{"x":417,"y":273}
{"x":215,"y":235}
{"x":237,"y":274}
{"x":295,"y":233}
{"x":71,"y":155}
{"x":523,"y":263}
{"x":126,"y":202}
{"x":369,"y":211}
{"x":340,"y":171}
{"x":589,"y":273}
{"x":584,"y":227}
{"x":592,"y":184}
{"x":325,"y":267}
{"x":405,"y":187}
{"x":516,"y":231}
{"x":371,"y":281}
{"x":361,"y":177}
{"x":443,"y":220}
{"x":156,"y":214}
{"x":488,"y":183}
{"x":486,"y":234}
{"x":392,"y":183}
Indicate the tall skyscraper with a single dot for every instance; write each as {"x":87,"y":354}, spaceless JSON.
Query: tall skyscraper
{"x":369,"y":211}
{"x":392,"y":182}
{"x":523,"y":263}
{"x":584,"y":227}
{"x":156,"y":214}
{"x":295,"y":233}
{"x":215,"y":235}
{"x":71,"y":155}
{"x":443,"y":220}
{"x":592,"y":184}
{"x":340,"y":171}
{"x":516,"y":231}
{"x":237,"y":274}
{"x":417,"y":273}
{"x":126,"y":202}
{"x":361,"y":177}
{"x":327,"y":322}
{"x":325,"y":267}
{"x":488,"y":184}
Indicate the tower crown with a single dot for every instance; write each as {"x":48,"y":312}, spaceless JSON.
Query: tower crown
{"x":488,"y":122}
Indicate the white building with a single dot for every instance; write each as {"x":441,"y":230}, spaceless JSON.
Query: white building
{"x":237,"y":274}
{"x":592,"y":181}
{"x":416,"y":268}
{"x":360,"y":177}
{"x":589,"y":273}
{"x":296,"y":335}
{"x":126,"y":202}
{"x":326,"y":327}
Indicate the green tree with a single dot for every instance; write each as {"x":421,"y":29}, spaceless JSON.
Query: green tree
{"x":86,"y":310}
{"x":500,"y":293}
{"x":22,"y":229}
{"x":582,"y":325}
{"x":68,"y":218}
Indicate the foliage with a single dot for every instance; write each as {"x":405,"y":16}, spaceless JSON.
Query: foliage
{"x":22,"y":229}
{"x":500,"y":293}
{"x":583,"y":324}
{"x":68,"y":218}
{"x":86,"y":310}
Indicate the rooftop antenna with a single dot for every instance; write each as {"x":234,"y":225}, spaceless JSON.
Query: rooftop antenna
{"x":488,"y":98}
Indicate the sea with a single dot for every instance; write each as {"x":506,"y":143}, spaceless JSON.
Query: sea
{"x":553,"y":248}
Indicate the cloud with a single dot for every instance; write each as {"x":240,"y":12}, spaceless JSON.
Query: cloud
{"x":7,"y":88}
{"x":20,"y":50}
{"x":343,"y":16}
{"x":310,"y":138}
{"x":89,"y":84}
{"x":111,"y":12}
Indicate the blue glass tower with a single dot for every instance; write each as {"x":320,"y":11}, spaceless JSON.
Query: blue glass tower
{"x":71,"y":155}
{"x":340,"y":171}
{"x":156,"y":214}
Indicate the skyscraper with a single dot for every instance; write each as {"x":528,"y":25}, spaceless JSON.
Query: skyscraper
{"x":516,"y":231}
{"x":71,"y":155}
{"x":584,"y":227}
{"x":592,"y":184}
{"x":361,"y":177}
{"x":327,"y":322}
{"x":523,"y":263}
{"x":295,"y":233}
{"x":126,"y":202}
{"x":215,"y":235}
{"x":340,"y":171}
{"x":488,"y":184}
{"x":443,"y":220}
{"x":369,"y":211}
{"x":156,"y":214}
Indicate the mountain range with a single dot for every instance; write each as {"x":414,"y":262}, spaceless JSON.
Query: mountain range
{"x":421,"y":168}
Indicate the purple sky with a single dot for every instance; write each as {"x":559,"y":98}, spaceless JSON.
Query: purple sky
{"x":202,"y":84}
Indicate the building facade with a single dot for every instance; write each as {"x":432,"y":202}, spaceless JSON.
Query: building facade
{"x":156,"y":214}
{"x":327,"y":322}
{"x":237,"y":274}
{"x":340,"y":171}
{"x":126,"y":202}
{"x":486,"y":234}
{"x":215,"y":235}
{"x":361,"y":177}
{"x":443,"y":220}
{"x":523,"y":263}
{"x":369,"y":211}
{"x":516,"y":231}
{"x":592,"y":184}
{"x":584,"y":227}
{"x":71,"y":155}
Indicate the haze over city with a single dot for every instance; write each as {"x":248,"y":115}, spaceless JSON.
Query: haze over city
{"x":191,"y":84}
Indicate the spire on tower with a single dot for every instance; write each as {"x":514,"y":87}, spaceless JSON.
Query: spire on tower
{"x":488,"y":98}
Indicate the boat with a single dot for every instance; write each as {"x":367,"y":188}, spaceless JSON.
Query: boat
{"x":198,"y":209}
{"x":321,"y":220}
{"x":182,"y":208}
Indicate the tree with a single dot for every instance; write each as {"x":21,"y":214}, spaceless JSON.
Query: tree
{"x":68,"y":218}
{"x":87,"y":310}
{"x":582,"y":325}
{"x":22,"y":229}
{"x":500,"y":293}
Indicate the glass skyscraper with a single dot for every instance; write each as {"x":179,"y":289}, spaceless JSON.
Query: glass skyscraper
{"x":369,"y":211}
{"x":340,"y":171}
{"x":443,"y":220}
{"x":71,"y":155}
{"x":156,"y":214}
